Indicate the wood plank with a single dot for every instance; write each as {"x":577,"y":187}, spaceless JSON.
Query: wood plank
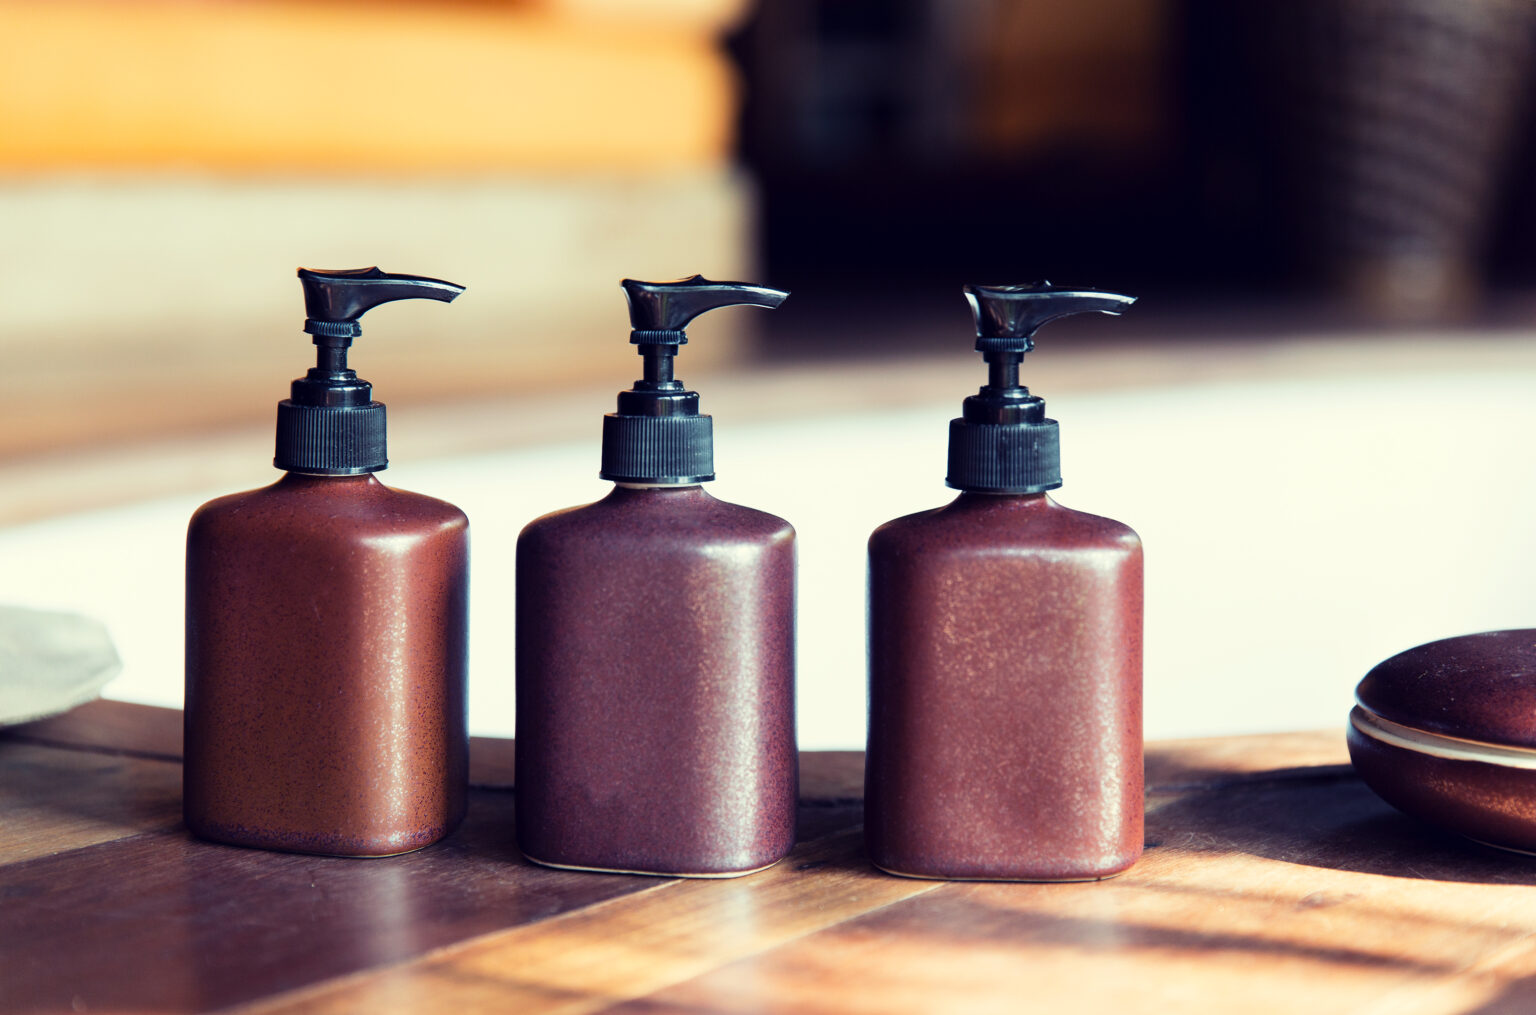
{"x":592,"y":959}
{"x":1274,"y":881}
{"x":120,"y":725}
{"x":832,"y":776}
{"x":113,"y":726}
{"x":836,"y":778}
{"x":587,"y":960}
{"x":53,"y":800}
{"x":148,"y":731}
{"x":827,"y":777}
{"x":163,"y":922}
{"x":87,"y":796}
{"x":1282,"y":892}
{"x":1180,"y":765}
{"x":492,"y":763}
{"x":1505,"y":985}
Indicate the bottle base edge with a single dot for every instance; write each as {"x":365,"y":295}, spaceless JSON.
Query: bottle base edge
{"x":710,"y":875}
{"x":1017,"y":880}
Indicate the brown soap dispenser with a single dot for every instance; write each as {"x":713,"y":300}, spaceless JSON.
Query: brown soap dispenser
{"x":1005,"y":647}
{"x":655,"y":642}
{"x":326,"y":624}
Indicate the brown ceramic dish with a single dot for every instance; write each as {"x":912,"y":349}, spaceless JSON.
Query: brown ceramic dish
{"x":1446,"y":732}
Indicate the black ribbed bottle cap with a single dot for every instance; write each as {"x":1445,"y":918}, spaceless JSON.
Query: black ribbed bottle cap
{"x":331,"y":440}
{"x":1004,"y":457}
{"x":672,"y":450}
{"x":1003,"y":442}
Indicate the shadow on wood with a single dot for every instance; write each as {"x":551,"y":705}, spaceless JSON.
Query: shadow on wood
{"x":1323,"y":816}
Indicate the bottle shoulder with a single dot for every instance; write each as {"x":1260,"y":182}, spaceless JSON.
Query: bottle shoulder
{"x":1002,"y":523}
{"x":659,"y":517}
{"x":359,"y":505}
{"x":752,"y":521}
{"x":428,"y":509}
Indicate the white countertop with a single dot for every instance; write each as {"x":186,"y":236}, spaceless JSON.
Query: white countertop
{"x":1297,"y":531}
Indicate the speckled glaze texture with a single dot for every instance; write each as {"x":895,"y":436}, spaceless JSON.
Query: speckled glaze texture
{"x":1459,"y":744}
{"x":326,"y":650}
{"x":1492,"y":803}
{"x":655,"y":686}
{"x":1005,"y":693}
{"x":1476,"y":686}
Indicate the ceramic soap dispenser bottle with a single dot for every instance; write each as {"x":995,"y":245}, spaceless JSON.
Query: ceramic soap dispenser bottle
{"x":1005,"y":647}
{"x":326,"y":624}
{"x":655,"y":642}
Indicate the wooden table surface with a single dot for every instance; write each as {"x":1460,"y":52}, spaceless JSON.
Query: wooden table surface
{"x":1273,"y":882}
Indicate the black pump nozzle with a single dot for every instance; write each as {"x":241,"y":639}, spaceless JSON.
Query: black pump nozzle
{"x":1007,"y":316}
{"x":658,"y":312}
{"x":669,"y":306}
{"x":1002,"y":443}
{"x":330,"y":424}
{"x":657,"y":435}
{"x":334,"y":300}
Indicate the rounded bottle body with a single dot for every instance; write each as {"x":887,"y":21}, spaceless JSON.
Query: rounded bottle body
{"x":327,"y":631}
{"x":655,"y":686}
{"x":1005,"y":734}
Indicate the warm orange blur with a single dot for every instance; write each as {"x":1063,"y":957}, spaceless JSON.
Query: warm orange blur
{"x":338,"y":87}
{"x":164,"y":167}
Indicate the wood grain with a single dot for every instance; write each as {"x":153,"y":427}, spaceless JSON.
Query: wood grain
{"x":588,"y":960}
{"x":1300,"y":892}
{"x":1180,"y":766}
{"x":1274,"y":881}
{"x":96,"y":792}
{"x":116,"y":727}
{"x":119,"y":727}
{"x":54,"y":800}
{"x":162,"y":922}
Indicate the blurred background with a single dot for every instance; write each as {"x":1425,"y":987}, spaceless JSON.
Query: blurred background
{"x":1316,"y":415}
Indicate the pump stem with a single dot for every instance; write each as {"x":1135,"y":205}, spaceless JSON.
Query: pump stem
{"x":331,"y":358}
{"x":658,"y":363}
{"x":1003,"y":369}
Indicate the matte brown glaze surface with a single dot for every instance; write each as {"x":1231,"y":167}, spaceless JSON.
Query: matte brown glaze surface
{"x":655,"y":685}
{"x":326,"y":652}
{"x":1476,"y":686}
{"x":1492,"y":803}
{"x":1005,"y":692}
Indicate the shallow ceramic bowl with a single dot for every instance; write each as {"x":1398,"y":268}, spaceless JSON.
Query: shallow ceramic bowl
{"x":1446,"y":732}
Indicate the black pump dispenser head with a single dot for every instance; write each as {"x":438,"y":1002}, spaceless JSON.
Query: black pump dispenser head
{"x":657,"y":435}
{"x":330,"y":425}
{"x":1002,"y":442}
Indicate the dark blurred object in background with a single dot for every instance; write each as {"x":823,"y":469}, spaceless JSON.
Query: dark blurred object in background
{"x":928,"y":143}
{"x":1391,"y":123}
{"x":1190,"y":149}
